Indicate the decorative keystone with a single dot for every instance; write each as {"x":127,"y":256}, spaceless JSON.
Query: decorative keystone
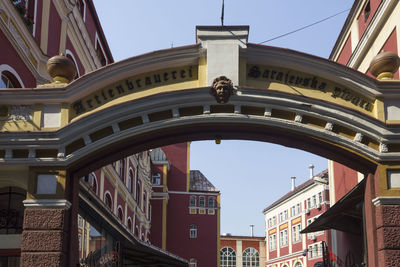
{"x":222,"y":89}
{"x":61,"y":69}
{"x":384,"y":65}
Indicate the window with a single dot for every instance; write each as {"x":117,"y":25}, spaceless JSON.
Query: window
{"x":296,"y":233}
{"x":272,"y":242}
{"x":228,"y":257}
{"x":130,"y":179}
{"x":283,"y":238}
{"x":108,"y":200}
{"x":320,"y":198}
{"x":308,"y":203}
{"x":156,"y":178}
{"x":193,"y":231}
{"x":144,"y":200}
{"x":269,"y":222}
{"x":367,"y":11}
{"x":11,"y":210}
{"x":280,"y":217}
{"x":129,"y":224}
{"x":298,"y":264}
{"x":192,"y":201}
{"x":138,"y":191}
{"x":298,"y":208}
{"x":202,"y":201}
{"x":193,"y":263}
{"x":314,"y":200}
{"x":120,"y":214}
{"x":100,"y":54}
{"x":285,"y":216}
{"x":8,"y":80}
{"x":251,"y":258}
{"x":293,"y":211}
{"x":274,"y":220}
{"x":211,"y":202}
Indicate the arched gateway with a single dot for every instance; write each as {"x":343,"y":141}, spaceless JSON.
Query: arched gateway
{"x":61,"y":131}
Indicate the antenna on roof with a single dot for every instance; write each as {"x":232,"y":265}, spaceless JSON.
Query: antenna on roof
{"x":222,"y":13}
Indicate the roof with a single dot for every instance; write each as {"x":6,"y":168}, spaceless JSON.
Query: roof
{"x":198,"y":182}
{"x":157,"y":155}
{"x":323,"y":175}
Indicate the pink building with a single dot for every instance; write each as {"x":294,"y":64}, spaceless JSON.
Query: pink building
{"x":288,"y":216}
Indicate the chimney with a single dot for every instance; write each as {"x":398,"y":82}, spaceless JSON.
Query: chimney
{"x":252,"y":230}
{"x":311,"y":167}
{"x":293,"y":182}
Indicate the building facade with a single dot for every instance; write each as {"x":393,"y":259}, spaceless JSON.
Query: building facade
{"x":371,"y":27}
{"x":32,"y":31}
{"x":288,"y":216}
{"x":242,"y":251}
{"x":185,"y":207}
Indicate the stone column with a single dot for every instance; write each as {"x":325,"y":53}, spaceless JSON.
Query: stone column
{"x":49,"y":236}
{"x":382,"y":217}
{"x":45,"y":232}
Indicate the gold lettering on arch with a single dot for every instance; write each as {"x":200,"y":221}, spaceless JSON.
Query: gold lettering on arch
{"x":132,"y":85}
{"x":302,"y":80}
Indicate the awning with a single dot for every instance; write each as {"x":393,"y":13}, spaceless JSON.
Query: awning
{"x":346,"y":215}
{"x":141,"y":254}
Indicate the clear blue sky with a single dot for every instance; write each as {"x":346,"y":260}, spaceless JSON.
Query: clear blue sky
{"x":251,"y":175}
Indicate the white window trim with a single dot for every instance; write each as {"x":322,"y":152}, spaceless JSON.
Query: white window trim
{"x":5,"y":67}
{"x":97,"y":41}
{"x":69,"y":52}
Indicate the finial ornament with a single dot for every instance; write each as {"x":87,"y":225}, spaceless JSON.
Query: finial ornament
{"x":222,"y":89}
{"x":384,"y":65}
{"x":61,"y":69}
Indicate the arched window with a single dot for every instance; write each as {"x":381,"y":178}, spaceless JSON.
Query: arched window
{"x":251,"y":258}
{"x":129,"y":224}
{"x":144,"y":200}
{"x":192,"y":201}
{"x":137,"y":231}
{"x":130,"y":180}
{"x":192,"y":263}
{"x":120,"y":214}
{"x":298,"y":264}
{"x":108,"y":200}
{"x":211,"y":202}
{"x":8,"y":80}
{"x":193,"y":231}
{"x":138,"y":190}
{"x":11,"y":210}
{"x":202,"y":201}
{"x":228,"y":257}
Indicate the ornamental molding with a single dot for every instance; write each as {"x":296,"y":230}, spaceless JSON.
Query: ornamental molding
{"x":21,"y":113}
{"x":47,"y":203}
{"x":394,"y":200}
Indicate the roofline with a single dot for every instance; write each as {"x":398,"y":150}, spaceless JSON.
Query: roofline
{"x":100,"y":30}
{"x":345,"y":28}
{"x":290,"y":194}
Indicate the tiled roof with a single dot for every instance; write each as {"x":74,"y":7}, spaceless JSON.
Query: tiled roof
{"x":198,"y":182}
{"x":323,"y":175}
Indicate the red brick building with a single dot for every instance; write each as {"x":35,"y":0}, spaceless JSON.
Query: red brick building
{"x":185,"y":207}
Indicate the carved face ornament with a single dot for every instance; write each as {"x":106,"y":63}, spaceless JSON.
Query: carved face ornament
{"x":222,"y":89}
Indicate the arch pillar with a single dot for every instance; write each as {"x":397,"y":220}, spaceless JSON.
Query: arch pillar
{"x":382,"y":216}
{"x":49,"y":235}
